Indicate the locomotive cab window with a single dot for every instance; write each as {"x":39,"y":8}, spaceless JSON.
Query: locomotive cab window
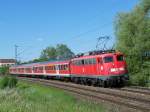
{"x":120,"y":58}
{"x":108,"y":59}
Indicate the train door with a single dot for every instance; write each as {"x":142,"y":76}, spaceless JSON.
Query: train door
{"x":57,"y":69}
{"x":82,"y":67}
{"x":100,"y":67}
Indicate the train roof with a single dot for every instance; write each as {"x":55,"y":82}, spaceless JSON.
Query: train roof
{"x":42,"y":63}
{"x":94,"y":54}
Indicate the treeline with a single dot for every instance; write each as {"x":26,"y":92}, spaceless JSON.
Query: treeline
{"x":52,"y":53}
{"x":132,"y":31}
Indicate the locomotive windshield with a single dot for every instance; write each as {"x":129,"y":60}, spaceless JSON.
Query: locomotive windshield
{"x":120,"y":58}
{"x":108,"y":59}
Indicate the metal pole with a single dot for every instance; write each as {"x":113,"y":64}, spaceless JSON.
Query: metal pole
{"x":16,"y":53}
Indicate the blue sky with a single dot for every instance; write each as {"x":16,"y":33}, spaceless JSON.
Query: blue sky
{"x":36,"y":24}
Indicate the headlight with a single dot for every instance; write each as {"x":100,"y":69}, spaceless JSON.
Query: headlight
{"x":117,"y":69}
{"x":121,"y":68}
{"x":114,"y":69}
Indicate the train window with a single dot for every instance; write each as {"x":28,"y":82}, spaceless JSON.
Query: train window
{"x":94,"y":61}
{"x":59,"y":67}
{"x":62,"y":67}
{"x":47,"y":68}
{"x":50,"y":68}
{"x":66,"y":67}
{"x":28,"y":69}
{"x":108,"y":59}
{"x":74,"y":62}
{"x":120,"y":58}
{"x":54,"y":68}
{"x":86,"y":62}
{"x":79,"y":62}
{"x":90,"y":61}
{"x":34,"y":68}
{"x":40,"y":68}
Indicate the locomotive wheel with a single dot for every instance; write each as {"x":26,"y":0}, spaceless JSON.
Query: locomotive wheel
{"x":76,"y":80}
{"x":82,"y":81}
{"x":93,"y":82}
{"x":89,"y":82}
{"x":104,"y":84}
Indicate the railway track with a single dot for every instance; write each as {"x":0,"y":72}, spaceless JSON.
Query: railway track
{"x":143,"y":88}
{"x":137,"y":90}
{"x":132,"y":99}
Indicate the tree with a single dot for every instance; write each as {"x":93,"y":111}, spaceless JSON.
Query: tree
{"x":133,"y":38}
{"x":48,"y":53}
{"x":63,"y":52}
{"x":60,"y":52}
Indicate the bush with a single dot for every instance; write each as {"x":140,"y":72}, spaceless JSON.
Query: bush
{"x":140,"y":79}
{"x":9,"y":82}
{"x":4,"y":70}
{"x":4,"y":82}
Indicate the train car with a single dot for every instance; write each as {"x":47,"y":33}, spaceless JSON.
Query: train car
{"x":46,"y":69}
{"x":58,"y":69}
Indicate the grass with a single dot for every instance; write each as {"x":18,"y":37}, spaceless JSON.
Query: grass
{"x":35,"y":98}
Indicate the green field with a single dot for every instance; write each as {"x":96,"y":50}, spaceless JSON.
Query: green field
{"x":35,"y":98}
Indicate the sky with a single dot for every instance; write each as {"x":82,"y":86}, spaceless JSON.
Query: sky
{"x":35,"y":24}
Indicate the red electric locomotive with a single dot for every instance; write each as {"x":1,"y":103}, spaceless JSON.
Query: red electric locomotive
{"x":102,"y":68}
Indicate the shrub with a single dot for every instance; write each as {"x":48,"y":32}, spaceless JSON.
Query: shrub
{"x":140,"y":79}
{"x":4,"y":82}
{"x":9,"y":82}
{"x":4,"y":70}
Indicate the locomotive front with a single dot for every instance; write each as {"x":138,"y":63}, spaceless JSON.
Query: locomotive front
{"x":115,"y":69}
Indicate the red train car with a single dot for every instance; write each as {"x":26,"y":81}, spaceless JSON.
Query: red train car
{"x":60,"y":68}
{"x":102,"y":68}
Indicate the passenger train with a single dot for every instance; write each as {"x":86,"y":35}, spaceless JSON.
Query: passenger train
{"x":99,"y":68}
